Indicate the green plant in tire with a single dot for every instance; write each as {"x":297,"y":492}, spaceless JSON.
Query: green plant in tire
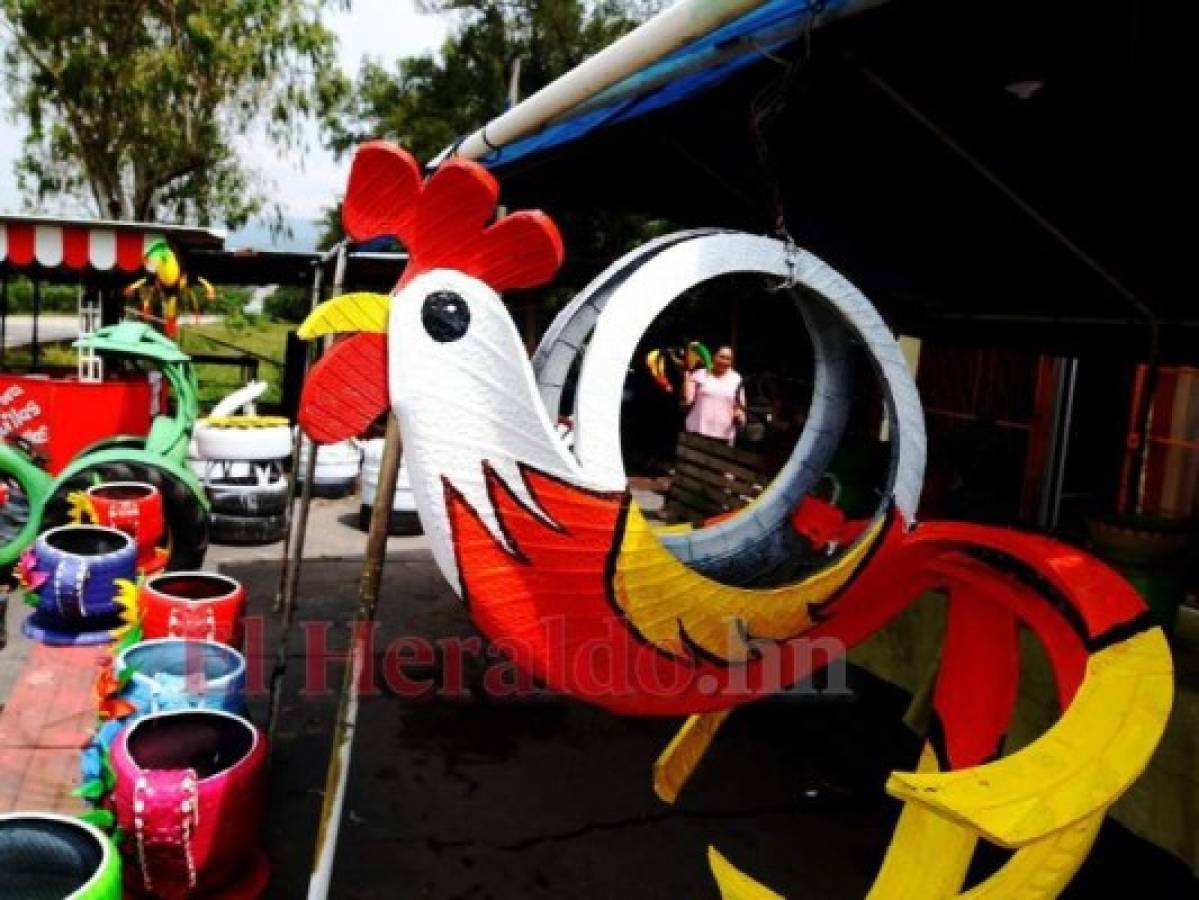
{"x":32,"y":500}
{"x":53,"y":856}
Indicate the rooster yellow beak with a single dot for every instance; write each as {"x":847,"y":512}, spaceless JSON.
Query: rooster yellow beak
{"x":347,"y":313}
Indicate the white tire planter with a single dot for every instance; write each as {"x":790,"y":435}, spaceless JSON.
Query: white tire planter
{"x":242,"y":398}
{"x":214,"y":469}
{"x":264,"y":494}
{"x":337,"y":468}
{"x":269,"y":442}
{"x":757,"y":545}
{"x":404,"y":518}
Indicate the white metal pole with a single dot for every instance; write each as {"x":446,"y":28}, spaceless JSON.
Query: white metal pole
{"x":666,"y":32}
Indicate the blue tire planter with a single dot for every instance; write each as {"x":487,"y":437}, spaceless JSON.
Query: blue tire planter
{"x":184,"y":673}
{"x":77,"y":603}
{"x":168,"y":675}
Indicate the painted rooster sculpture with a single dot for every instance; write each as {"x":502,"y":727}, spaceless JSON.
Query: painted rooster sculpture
{"x":561,"y":570}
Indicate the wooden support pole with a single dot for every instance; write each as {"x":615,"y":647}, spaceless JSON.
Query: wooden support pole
{"x":293,"y":551}
{"x":360,"y":646}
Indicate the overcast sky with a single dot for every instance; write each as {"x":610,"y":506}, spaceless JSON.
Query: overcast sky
{"x":306,"y":181}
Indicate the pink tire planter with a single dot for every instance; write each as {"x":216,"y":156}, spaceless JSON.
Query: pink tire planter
{"x":191,"y":796}
{"x":136,"y":509}
{"x":200,"y":605}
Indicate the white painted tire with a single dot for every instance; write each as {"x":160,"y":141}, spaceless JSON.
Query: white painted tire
{"x":243,"y":444}
{"x":264,"y":494}
{"x":335,"y":463}
{"x":241,"y":398}
{"x":403,"y":501}
{"x":757,"y":545}
{"x":210,"y":469}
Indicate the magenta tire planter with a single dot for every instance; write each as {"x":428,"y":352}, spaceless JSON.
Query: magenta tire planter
{"x":191,"y":795}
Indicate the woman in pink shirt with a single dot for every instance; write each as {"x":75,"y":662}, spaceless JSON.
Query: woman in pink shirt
{"x":714,"y":400}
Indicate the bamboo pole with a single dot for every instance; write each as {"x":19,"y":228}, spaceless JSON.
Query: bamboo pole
{"x":285,"y":562}
{"x":337,"y":774}
{"x":289,"y":577}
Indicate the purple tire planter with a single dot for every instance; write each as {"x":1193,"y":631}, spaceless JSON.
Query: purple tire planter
{"x":77,"y":603}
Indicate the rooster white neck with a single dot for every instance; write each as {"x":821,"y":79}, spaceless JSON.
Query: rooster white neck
{"x":464,"y":400}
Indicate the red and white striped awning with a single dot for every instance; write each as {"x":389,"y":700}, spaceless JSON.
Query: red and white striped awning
{"x":100,"y":245}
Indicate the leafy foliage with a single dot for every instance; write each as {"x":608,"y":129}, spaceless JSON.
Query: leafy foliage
{"x":55,"y":298}
{"x":288,"y":304}
{"x":139,"y":102}
{"x":427,"y":102}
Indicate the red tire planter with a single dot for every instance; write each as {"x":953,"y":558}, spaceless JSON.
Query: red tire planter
{"x":200,"y":605}
{"x":191,"y":797}
{"x":135,"y":508}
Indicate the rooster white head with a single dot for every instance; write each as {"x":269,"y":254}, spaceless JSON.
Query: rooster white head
{"x":441,"y":350}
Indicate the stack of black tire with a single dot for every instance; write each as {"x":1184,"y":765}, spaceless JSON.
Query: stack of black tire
{"x":243,"y":469}
{"x":337,"y":468}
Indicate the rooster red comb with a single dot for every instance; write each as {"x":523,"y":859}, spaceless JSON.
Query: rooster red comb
{"x":442,"y":222}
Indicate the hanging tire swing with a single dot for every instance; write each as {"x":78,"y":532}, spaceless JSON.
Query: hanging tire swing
{"x":757,"y":546}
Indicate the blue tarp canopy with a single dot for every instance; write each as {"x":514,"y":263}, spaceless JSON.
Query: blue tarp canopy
{"x":685,"y":73}
{"x":978,"y":173}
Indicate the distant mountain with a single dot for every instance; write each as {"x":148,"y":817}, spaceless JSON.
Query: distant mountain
{"x":257,"y":235}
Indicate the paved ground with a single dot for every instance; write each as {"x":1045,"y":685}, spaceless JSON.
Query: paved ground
{"x":470,"y":796}
{"x":19,"y":329}
{"x":476,"y":797}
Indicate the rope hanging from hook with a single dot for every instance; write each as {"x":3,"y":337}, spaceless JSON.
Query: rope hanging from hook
{"x":767,"y":108}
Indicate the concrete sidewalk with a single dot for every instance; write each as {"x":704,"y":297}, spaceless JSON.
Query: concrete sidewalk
{"x":332,"y":533}
{"x":18,"y":330}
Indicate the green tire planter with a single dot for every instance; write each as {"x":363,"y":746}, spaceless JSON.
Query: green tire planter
{"x":31,"y":493}
{"x":44,"y":856}
{"x":1151,"y":554}
{"x":1161,"y":589}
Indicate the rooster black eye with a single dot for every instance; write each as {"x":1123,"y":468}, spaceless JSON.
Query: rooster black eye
{"x":445,"y":316}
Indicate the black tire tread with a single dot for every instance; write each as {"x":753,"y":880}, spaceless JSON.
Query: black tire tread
{"x":248,"y":530}
{"x":251,"y":504}
{"x":185,"y":515}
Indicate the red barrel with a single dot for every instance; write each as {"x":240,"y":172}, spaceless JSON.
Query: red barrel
{"x":136,"y":509}
{"x":200,"y":605}
{"x":191,"y":797}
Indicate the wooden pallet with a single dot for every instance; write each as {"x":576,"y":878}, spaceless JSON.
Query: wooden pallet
{"x":47,"y":719}
{"x":711,"y":478}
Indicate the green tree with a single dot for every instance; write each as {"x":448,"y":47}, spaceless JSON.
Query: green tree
{"x":137,"y":103}
{"x":426,"y":102}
